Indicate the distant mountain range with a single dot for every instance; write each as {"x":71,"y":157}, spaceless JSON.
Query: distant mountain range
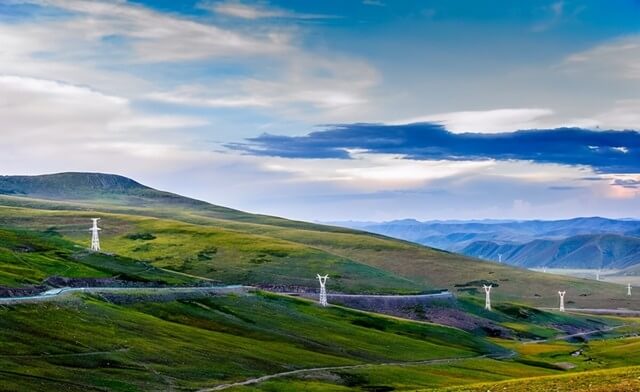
{"x":574,"y":243}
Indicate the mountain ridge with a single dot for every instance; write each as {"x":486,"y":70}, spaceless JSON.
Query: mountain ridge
{"x":535,"y":243}
{"x":62,"y":183}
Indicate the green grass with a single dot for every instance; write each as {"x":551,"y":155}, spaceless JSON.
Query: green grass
{"x":537,"y":367}
{"x":256,"y":249}
{"x":88,"y":343}
{"x":197,"y":343}
{"x":619,"y":380}
{"x":404,"y":378}
{"x":28,"y":258}
{"x":212,"y":252}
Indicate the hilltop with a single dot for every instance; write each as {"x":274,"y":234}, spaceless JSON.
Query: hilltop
{"x":67,"y":185}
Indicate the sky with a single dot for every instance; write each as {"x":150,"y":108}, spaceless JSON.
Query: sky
{"x":334,"y":110}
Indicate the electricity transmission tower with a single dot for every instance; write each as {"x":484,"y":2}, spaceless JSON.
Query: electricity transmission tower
{"x":95,"y":239}
{"x":562,"y":293}
{"x":323,"y":290}
{"x":487,"y":298}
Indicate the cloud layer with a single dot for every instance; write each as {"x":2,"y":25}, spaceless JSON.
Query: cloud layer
{"x":604,"y":151}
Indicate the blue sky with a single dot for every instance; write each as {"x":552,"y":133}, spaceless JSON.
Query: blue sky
{"x":307,"y":109}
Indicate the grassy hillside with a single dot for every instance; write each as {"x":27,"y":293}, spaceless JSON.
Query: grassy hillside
{"x":602,"y":365}
{"x":235,"y":247}
{"x":224,"y":255}
{"x":199,"y":343}
{"x":239,"y":252}
{"x":28,"y":258}
{"x":155,"y":344}
{"x":619,"y":380}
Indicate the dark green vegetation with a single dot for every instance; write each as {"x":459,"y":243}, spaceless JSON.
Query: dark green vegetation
{"x":524,"y":322}
{"x":601,"y":365}
{"x":199,"y":343}
{"x":88,"y":342}
{"x":405,"y":378}
{"x":28,"y":258}
{"x":474,"y":375}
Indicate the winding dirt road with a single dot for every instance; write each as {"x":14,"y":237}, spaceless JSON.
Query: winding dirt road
{"x":330,"y":368}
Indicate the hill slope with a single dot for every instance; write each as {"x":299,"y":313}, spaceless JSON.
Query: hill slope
{"x":191,"y":344}
{"x":237,"y":247}
{"x":150,"y":342}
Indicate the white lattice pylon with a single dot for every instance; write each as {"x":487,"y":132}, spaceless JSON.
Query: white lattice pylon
{"x":487,"y":298}
{"x":561,"y":294}
{"x":95,"y":239}
{"x":323,"y":290}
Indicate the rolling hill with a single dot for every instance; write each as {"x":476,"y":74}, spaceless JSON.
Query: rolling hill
{"x":193,"y":237}
{"x":139,"y":342}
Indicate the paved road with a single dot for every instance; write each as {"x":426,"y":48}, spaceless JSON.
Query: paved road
{"x":444,"y":294}
{"x":60,"y":292}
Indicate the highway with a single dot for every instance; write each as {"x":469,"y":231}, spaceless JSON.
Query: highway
{"x":443,"y":294}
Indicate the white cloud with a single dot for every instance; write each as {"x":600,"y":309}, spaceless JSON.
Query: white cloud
{"x":385,"y":172}
{"x":152,"y":36}
{"x":241,"y":10}
{"x":486,"y":121}
{"x":333,"y":85}
{"x":49,"y":123}
{"x":624,"y":114}
{"x":98,"y":37}
{"x":618,"y":59}
{"x":52,"y":50}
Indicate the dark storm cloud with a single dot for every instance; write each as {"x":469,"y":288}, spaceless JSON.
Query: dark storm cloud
{"x":604,"y":151}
